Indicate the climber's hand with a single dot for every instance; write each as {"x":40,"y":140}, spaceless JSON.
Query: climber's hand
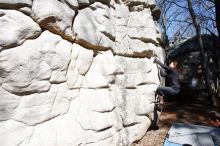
{"x":156,"y":60}
{"x":152,"y":59}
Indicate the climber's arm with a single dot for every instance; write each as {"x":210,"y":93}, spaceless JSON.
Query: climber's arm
{"x":161,"y":64}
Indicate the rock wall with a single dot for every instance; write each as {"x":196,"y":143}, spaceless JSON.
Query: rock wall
{"x":77,"y":72}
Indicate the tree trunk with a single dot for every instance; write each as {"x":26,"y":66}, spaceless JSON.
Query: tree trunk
{"x":217,"y":13}
{"x":202,"y":53}
{"x":165,"y":37}
{"x":166,"y":40}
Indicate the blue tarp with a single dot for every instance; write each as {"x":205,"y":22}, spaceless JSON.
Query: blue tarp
{"x":195,"y":135}
{"x":167,"y":143}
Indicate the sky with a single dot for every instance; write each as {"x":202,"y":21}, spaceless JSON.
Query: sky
{"x":178,"y":19}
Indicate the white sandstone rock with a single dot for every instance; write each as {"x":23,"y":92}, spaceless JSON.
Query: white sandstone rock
{"x":84,"y":60}
{"x":135,"y":116}
{"x":8,"y":103}
{"x":136,"y":71}
{"x":146,"y":99}
{"x":59,"y":61}
{"x":121,"y":15}
{"x":84,"y":3}
{"x":98,"y":91}
{"x":54,"y":16}
{"x":137,"y":34}
{"x":103,"y":68}
{"x":153,"y":76}
{"x":15,"y":3}
{"x":57,"y":131}
{"x":94,"y":27}
{"x":39,"y":107}
{"x":137,"y":131}
{"x":81,"y":61}
{"x":13,"y":133}
{"x":24,"y":71}
{"x":94,"y":110}
{"x":134,"y":106}
{"x":147,"y":3}
{"x":99,"y":100}
{"x":15,"y":28}
{"x":133,"y":3}
{"x":151,"y":3}
{"x":73,"y":4}
{"x":57,"y":53}
{"x":142,"y":27}
{"x":29,"y":67}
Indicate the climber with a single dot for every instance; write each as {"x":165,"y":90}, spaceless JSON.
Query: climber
{"x":171,"y":74}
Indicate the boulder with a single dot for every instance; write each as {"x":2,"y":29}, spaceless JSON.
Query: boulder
{"x":8,"y":104}
{"x":94,"y":27}
{"x":81,"y":61}
{"x":21,"y":5}
{"x":15,"y":3}
{"x":15,"y":28}
{"x":33,"y":66}
{"x":13,"y":133}
{"x":137,"y":34}
{"x":136,"y":71}
{"x":78,"y":72}
{"x":54,"y":16}
{"x":37,"y":108}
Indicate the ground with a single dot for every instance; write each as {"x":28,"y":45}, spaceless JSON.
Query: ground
{"x":189,"y":107}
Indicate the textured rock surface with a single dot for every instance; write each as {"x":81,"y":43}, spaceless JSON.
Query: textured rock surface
{"x":94,"y":26}
{"x":54,"y":16}
{"x":77,"y":72}
{"x":21,"y":5}
{"x":15,"y":28}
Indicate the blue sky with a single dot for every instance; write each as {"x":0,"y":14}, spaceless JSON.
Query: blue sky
{"x":179,"y":20}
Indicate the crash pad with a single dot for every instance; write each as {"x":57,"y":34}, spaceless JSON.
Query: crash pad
{"x":195,"y":135}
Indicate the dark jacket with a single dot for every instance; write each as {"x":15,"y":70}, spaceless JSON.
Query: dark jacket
{"x":170,"y":74}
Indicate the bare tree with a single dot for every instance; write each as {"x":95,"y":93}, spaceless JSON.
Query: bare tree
{"x":202,"y":53}
{"x":178,"y":22}
{"x":189,"y":18}
{"x":217,"y":9}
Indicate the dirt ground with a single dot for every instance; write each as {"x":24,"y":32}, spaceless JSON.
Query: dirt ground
{"x":189,"y":107}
